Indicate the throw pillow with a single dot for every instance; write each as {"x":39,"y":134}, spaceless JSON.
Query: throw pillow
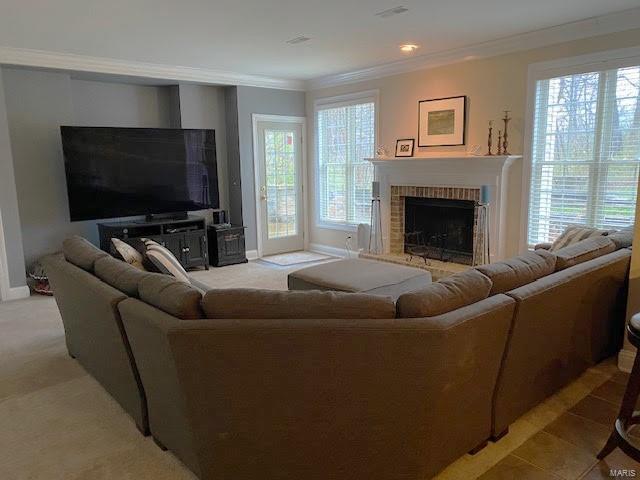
{"x":166,"y":262}
{"x":623,"y":238}
{"x":574,"y":234}
{"x":583,"y":252}
{"x":127,"y":253}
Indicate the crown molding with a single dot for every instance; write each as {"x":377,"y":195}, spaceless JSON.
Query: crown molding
{"x":84,"y":63}
{"x":591,"y":27}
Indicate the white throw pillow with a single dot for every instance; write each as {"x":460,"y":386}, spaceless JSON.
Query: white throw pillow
{"x":129,"y":254}
{"x":574,"y":234}
{"x":166,"y":262}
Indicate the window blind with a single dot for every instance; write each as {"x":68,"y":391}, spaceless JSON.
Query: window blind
{"x":585,"y":152}
{"x":345,"y":137}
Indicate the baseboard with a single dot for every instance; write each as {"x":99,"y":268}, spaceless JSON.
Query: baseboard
{"x":16,"y":293}
{"x":333,"y":251}
{"x":252,"y":255}
{"x":625,"y":360}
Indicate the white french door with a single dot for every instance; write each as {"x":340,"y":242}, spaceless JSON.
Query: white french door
{"x":279,"y":183}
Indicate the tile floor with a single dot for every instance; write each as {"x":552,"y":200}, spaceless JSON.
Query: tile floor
{"x":567,"y":447}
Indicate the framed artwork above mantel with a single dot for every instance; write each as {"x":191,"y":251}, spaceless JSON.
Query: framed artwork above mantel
{"x":442,"y":121}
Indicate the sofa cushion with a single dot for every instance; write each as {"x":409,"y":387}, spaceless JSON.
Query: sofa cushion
{"x":518,"y":271}
{"x":171,"y":296}
{"x":623,"y":238}
{"x":574,"y":234}
{"x":257,"y":304}
{"x":119,"y":274}
{"x":583,"y":251}
{"x":81,"y":252}
{"x":445,"y":295}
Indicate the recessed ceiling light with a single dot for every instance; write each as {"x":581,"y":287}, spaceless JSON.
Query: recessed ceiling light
{"x":391,"y":12}
{"x":300,"y":39}
{"x":409,"y":47}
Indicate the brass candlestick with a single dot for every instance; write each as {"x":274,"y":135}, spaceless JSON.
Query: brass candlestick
{"x":499,"y":142}
{"x":490,"y":139}
{"x":505,"y":144}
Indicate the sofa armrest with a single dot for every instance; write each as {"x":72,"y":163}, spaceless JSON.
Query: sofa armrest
{"x":305,"y":398}
{"x":543,"y":246}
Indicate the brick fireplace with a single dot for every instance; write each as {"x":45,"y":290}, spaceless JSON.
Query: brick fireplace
{"x":434,"y":222}
{"x":445,"y":176}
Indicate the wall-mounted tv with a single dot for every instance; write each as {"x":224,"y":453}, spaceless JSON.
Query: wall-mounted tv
{"x":120,"y":172}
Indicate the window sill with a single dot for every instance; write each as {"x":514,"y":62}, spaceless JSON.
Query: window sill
{"x":345,"y":227}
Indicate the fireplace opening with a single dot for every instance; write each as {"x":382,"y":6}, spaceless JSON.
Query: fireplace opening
{"x":440,"y":229}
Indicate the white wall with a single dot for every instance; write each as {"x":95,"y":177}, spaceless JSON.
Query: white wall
{"x":491,"y":85}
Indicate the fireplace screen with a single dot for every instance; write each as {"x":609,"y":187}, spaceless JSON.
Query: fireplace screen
{"x":440,"y":229}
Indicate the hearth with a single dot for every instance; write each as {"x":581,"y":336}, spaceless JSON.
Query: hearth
{"x":439,"y":228}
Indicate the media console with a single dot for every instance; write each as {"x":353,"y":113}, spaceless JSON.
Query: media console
{"x":185,"y":238}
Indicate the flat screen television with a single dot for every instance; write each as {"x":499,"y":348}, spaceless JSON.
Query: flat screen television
{"x":121,"y":172}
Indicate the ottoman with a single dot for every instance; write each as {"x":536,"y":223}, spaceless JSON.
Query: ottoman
{"x":360,"y":275}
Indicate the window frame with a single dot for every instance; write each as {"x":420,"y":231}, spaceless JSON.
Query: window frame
{"x":601,"y":61}
{"x":367,"y":96}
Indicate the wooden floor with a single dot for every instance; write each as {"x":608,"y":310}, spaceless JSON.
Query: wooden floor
{"x":567,"y":447}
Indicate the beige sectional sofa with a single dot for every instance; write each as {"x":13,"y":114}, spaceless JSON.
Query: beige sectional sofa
{"x":276,"y":385}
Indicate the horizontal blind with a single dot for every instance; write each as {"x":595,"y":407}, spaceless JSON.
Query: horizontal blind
{"x":346,"y":136}
{"x":586,"y":152}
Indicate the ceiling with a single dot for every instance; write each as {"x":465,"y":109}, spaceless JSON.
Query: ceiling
{"x":249,"y":36}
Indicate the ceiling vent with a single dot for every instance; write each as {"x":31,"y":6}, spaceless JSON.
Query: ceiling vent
{"x":297,"y":40}
{"x":391,"y":12}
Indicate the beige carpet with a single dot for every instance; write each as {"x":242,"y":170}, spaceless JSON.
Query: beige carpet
{"x":56,"y":422}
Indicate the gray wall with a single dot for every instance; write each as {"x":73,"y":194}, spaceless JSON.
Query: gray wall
{"x":234,"y":176}
{"x":9,"y":202}
{"x":267,"y":101}
{"x":203,"y":106}
{"x":38,"y":102}
{"x":101,"y":104}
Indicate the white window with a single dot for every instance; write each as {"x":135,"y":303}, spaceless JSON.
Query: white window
{"x":345,"y":136}
{"x":585,"y":152}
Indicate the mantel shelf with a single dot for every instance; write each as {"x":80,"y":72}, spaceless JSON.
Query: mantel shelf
{"x":443,"y":156}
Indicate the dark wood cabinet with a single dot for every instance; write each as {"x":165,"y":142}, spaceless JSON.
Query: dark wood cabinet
{"x":185,"y":238}
{"x":226,"y":245}
{"x":195,"y":249}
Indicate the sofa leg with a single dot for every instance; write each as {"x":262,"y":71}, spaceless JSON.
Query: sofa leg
{"x":475,"y":450}
{"x":159,"y":444}
{"x":72,"y":355}
{"x":497,"y":436}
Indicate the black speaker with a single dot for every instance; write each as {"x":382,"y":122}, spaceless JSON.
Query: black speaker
{"x":219,"y":217}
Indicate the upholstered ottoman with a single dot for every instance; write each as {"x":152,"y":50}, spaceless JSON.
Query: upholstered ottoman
{"x":360,"y":275}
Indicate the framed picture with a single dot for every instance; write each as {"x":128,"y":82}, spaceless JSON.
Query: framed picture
{"x":404,"y":147}
{"x":441,"y":122}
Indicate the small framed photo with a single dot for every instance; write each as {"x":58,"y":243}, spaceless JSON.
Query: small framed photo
{"x":441,"y":122}
{"x":404,"y":147}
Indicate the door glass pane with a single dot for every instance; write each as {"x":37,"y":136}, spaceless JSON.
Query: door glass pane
{"x":280,"y":173}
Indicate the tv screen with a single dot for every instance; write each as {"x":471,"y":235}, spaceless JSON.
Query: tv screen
{"x":121,"y":172}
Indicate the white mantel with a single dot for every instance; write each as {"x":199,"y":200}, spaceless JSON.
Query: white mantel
{"x":445,"y":169}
